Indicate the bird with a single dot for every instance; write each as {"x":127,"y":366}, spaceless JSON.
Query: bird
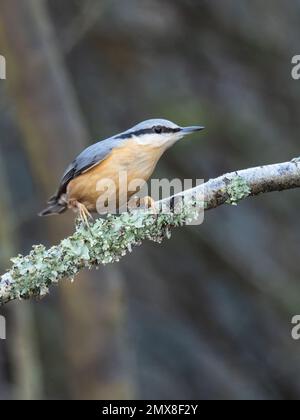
{"x":135,"y":152}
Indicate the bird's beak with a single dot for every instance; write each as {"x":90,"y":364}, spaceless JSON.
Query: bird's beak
{"x":192,"y":129}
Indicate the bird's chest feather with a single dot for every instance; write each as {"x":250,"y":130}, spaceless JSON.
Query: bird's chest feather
{"x":129,"y":162}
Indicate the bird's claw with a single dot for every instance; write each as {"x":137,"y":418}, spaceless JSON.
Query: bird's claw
{"x":84,"y":214}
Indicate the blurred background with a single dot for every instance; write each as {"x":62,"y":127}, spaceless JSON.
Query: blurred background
{"x":206,"y":315}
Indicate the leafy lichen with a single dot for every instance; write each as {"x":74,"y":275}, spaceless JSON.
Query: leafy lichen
{"x":237,"y":189}
{"x":103,"y":242}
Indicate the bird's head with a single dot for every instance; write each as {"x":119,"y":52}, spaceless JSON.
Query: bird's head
{"x":158,"y":132}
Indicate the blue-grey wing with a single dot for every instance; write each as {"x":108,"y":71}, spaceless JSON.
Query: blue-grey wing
{"x":86,"y":160}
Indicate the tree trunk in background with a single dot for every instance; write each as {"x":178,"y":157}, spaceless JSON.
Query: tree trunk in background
{"x":51,"y":123}
{"x":23,"y":342}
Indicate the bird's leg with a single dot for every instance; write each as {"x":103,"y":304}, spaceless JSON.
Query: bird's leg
{"x":84,"y":214}
{"x":148,"y":203}
{"x":133,"y":203}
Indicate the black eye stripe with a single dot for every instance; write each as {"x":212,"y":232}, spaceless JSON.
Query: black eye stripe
{"x":147,"y":131}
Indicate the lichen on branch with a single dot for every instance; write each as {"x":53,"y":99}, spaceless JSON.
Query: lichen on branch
{"x":103,"y":242}
{"x":109,"y":239}
{"x":237,"y":189}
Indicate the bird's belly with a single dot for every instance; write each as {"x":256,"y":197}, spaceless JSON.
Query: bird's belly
{"x":116,"y":178}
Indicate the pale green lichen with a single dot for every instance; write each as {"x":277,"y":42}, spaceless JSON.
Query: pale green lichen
{"x":105,"y":241}
{"x":237,"y":189}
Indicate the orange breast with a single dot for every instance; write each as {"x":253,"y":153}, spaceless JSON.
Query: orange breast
{"x":131,"y":161}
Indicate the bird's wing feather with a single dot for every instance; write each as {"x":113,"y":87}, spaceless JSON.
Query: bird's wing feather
{"x":90,"y":157}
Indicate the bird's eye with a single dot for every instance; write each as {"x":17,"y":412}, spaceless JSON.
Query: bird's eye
{"x":157,"y":129}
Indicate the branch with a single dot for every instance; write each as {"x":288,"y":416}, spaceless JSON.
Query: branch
{"x":109,"y":239}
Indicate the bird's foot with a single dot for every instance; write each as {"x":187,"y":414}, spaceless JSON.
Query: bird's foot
{"x":84,"y":214}
{"x":148,"y":203}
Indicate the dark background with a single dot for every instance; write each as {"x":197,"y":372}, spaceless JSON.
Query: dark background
{"x":207,"y":314}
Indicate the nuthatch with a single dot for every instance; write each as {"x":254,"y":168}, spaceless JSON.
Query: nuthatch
{"x":135,"y":151}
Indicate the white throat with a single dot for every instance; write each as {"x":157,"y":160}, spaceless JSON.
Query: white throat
{"x":157,"y":140}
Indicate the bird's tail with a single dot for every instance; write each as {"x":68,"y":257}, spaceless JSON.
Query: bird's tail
{"x":56,"y":206}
